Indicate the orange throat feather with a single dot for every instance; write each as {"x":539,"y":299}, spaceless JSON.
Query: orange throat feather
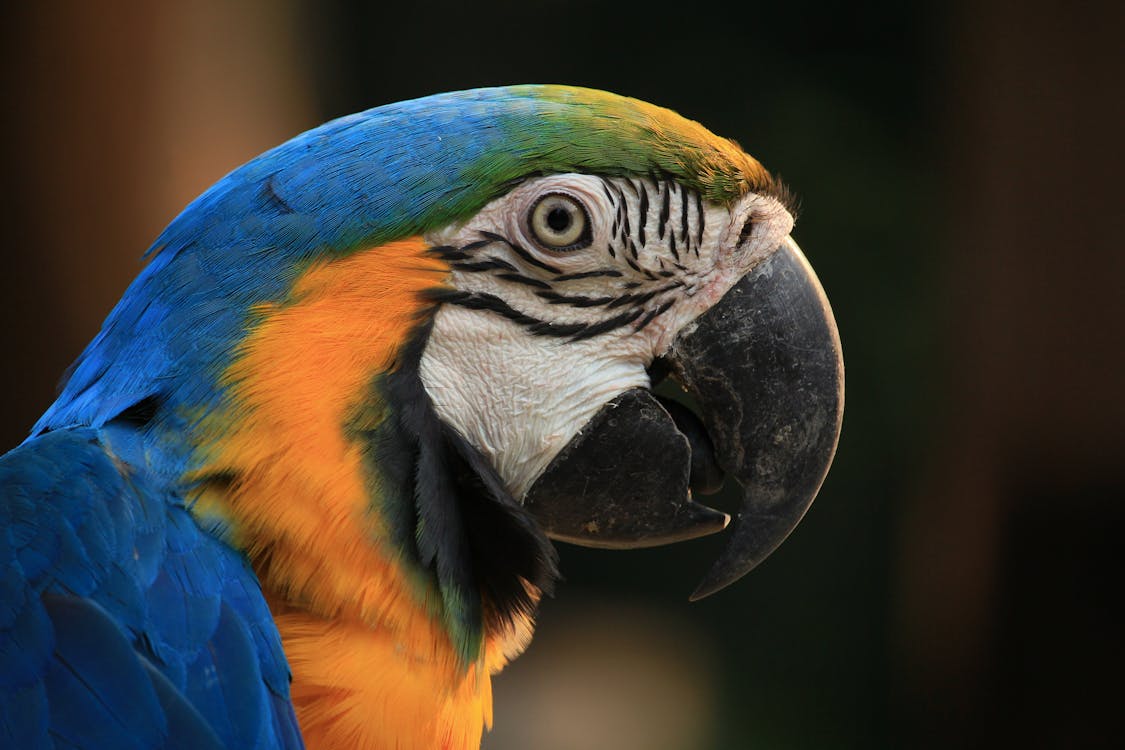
{"x":374,"y":665}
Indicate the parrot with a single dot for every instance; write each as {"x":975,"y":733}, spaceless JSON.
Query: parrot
{"x":302,"y":488}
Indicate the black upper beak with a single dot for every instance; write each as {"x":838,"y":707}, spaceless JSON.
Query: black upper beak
{"x":765,"y":366}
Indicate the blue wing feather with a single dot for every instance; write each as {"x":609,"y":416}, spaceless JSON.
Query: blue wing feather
{"x":187,"y":729}
{"x":122,"y":623}
{"x":98,"y":693}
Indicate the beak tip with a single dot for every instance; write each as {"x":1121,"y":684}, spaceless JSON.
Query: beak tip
{"x":698,"y":594}
{"x":722,"y":574}
{"x":714,"y":584}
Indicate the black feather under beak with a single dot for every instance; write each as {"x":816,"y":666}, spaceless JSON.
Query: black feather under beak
{"x":765,"y":367}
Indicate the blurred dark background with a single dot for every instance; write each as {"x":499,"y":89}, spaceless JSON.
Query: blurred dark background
{"x":959,"y":581}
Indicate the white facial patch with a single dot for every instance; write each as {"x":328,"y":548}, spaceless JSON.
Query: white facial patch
{"x":567,"y":288}
{"x":516,"y":397}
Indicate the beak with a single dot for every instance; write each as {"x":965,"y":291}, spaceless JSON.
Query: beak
{"x":623,"y":481}
{"x":764,"y":365}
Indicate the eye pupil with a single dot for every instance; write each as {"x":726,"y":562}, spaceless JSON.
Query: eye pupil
{"x":559,"y":219}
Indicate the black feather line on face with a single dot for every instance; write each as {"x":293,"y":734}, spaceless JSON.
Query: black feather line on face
{"x":665,"y":208}
{"x":626,"y":230}
{"x":450,"y":254}
{"x":573,"y":300}
{"x":604,"y":272}
{"x":609,"y":324}
{"x":488,"y":264}
{"x":537,"y":327}
{"x":448,"y":510}
{"x":633,"y":252}
{"x":685,"y":238}
{"x":653,"y":314}
{"x":643,"y":214}
{"x":528,"y":257}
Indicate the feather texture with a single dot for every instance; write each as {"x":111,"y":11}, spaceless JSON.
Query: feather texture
{"x":124,"y":625}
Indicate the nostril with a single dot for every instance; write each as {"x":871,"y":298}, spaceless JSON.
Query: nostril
{"x":747,"y":229}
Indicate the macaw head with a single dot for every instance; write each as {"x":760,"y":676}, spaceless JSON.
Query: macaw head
{"x":453,"y":311}
{"x":574,"y":294}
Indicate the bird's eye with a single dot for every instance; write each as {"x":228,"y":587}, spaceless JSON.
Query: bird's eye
{"x":559,"y":222}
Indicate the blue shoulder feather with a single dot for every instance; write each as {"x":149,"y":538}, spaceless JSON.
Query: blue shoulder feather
{"x":122,"y":623}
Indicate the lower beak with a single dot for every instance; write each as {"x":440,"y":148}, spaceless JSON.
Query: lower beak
{"x":765,"y":367}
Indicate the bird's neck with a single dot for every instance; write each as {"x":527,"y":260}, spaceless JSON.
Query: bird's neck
{"x":374,"y":665}
{"x":358,"y":686}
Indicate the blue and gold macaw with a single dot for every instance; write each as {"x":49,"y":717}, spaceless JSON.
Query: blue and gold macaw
{"x":299,"y":489}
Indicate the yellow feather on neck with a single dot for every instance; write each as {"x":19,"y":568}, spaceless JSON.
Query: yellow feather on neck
{"x":372,"y":666}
